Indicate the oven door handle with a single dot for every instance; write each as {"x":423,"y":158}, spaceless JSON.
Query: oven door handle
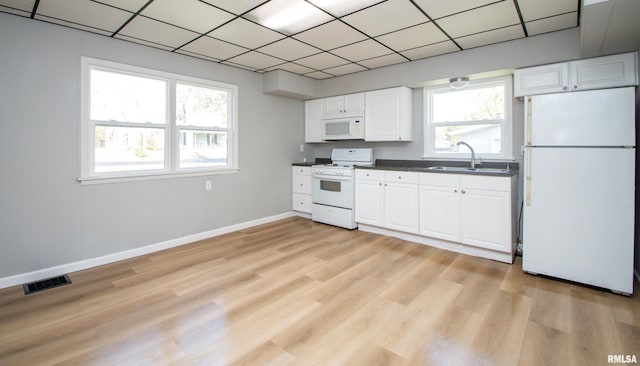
{"x":332,"y":177}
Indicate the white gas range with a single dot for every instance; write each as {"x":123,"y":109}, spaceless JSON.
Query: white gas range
{"x":333,"y":187}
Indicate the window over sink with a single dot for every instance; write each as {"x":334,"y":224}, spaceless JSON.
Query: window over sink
{"x":479,"y":114}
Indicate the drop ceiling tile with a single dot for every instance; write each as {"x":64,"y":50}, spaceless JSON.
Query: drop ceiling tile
{"x":362,"y":50}
{"x":189,"y":14}
{"x":19,"y":7}
{"x":289,"y":49}
{"x":143,"y":42}
{"x":130,"y":5}
{"x":381,"y":61}
{"x":83,"y":13}
{"x":244,"y":33}
{"x":235,"y":6}
{"x":552,"y":24}
{"x":157,"y":32}
{"x":386,"y":17}
{"x":321,"y":61}
{"x":256,"y":60}
{"x":537,"y":9}
{"x":288,"y":16}
{"x":330,"y":35}
{"x":416,"y":36}
{"x":318,"y":75}
{"x":215,"y":48}
{"x":440,"y":8}
{"x":341,"y":8}
{"x":489,"y":17}
{"x":197,"y":55}
{"x":291,"y":67}
{"x":344,"y":69}
{"x":19,"y":12}
{"x":430,"y":50}
{"x":493,"y":36}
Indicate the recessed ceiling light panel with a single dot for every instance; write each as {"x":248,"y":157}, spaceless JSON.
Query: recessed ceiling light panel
{"x":288,"y":16}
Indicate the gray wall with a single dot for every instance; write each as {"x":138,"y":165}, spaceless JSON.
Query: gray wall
{"x":47,"y":218}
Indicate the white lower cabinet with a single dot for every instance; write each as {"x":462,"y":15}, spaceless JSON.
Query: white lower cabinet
{"x":473,"y":210}
{"x":301,"y":188}
{"x":466,"y":213}
{"x":387,"y":199}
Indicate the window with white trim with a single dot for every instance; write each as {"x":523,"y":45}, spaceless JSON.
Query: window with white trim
{"x":139,"y":122}
{"x":479,"y":114}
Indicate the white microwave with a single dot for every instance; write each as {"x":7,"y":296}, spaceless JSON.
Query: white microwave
{"x":343,"y":129}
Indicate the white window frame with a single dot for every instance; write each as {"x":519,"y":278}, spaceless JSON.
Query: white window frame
{"x":172,"y":130}
{"x":506,"y":124}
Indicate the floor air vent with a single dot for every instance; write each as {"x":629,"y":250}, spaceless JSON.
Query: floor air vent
{"x":42,"y":285}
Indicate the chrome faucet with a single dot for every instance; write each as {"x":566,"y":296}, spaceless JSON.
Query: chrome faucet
{"x":473,"y":154}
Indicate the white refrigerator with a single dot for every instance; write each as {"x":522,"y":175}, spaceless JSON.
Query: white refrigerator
{"x":579,"y":188}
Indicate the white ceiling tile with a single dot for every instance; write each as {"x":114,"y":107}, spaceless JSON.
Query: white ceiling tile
{"x":130,"y":5}
{"x":321,"y":61}
{"x":344,"y":69}
{"x":289,"y":49}
{"x":431,"y":50}
{"x":552,"y":24}
{"x":288,"y":16}
{"x":440,"y":8}
{"x":291,"y":67}
{"x":256,"y":60}
{"x":235,"y":6}
{"x":193,"y":54}
{"x":386,"y":17}
{"x":419,"y":35}
{"x":189,"y":14}
{"x":143,"y":42}
{"x":19,"y":12}
{"x":157,"y":32}
{"x":493,"y":36}
{"x":318,"y":75}
{"x":21,"y":6}
{"x":211,"y":47}
{"x":494,"y":16}
{"x":330,"y":35}
{"x":85,"y":13}
{"x":340,"y":7}
{"x":381,"y":61}
{"x":537,"y":9}
{"x":362,"y":50}
{"x":244,"y":33}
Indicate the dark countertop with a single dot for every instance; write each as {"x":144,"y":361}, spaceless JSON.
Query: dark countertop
{"x":423,"y":165}
{"x":310,"y":163}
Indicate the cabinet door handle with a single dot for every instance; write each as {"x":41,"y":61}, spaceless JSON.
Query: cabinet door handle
{"x":575,"y":86}
{"x":380,"y":183}
{"x":564,"y":87}
{"x":455,"y":191}
{"x":399,"y":177}
{"x":385,"y":184}
{"x":463,"y":191}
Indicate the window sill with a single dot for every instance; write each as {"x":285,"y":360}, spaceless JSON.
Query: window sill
{"x":120,"y":179}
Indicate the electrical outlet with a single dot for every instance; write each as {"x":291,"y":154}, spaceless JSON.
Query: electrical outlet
{"x":207,"y":185}
{"x":301,"y":147}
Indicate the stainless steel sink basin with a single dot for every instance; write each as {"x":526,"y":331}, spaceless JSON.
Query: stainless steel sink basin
{"x":468,"y":169}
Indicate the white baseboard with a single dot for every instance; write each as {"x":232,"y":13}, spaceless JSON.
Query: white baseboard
{"x":115,"y":257}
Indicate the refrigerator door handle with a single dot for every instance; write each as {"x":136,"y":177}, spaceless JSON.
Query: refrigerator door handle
{"x":527,"y":179}
{"x":527,"y":121}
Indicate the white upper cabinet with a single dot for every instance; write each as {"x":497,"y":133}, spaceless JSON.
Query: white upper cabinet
{"x":593,"y":73}
{"x":388,"y":115}
{"x":343,"y":106}
{"x":313,"y":121}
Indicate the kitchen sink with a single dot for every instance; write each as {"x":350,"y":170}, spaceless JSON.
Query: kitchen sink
{"x":468,"y":169}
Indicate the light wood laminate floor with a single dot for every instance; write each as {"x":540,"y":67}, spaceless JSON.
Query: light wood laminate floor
{"x":296,"y":292}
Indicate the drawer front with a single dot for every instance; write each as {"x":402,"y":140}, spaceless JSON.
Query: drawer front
{"x":440,"y":179}
{"x":401,"y":177}
{"x":369,"y":174}
{"x":301,"y":202}
{"x":502,"y":184}
{"x":301,"y":184}
{"x":301,"y":170}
